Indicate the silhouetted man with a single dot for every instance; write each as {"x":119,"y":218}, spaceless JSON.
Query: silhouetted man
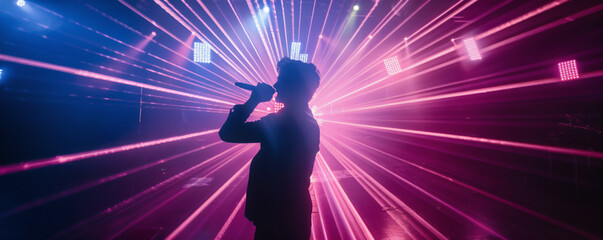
{"x":278,"y":201}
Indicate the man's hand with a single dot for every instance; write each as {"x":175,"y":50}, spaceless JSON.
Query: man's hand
{"x":262,"y":93}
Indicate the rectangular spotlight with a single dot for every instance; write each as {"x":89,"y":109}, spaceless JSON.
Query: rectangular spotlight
{"x":303,"y":57}
{"x":295,"y":46}
{"x":472,"y":49}
{"x":568,"y":70}
{"x":392,"y":65}
{"x":202,"y":52}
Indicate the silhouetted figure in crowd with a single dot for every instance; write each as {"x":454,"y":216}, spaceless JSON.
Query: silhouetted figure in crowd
{"x":278,"y":201}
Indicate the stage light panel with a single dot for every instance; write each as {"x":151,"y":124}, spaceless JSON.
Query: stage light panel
{"x":295,"y":47}
{"x":472,"y":49}
{"x":202,"y":52}
{"x":568,"y":70}
{"x":21,"y":3}
{"x":392,"y":65}
{"x":303,"y":57}
{"x":278,"y":106}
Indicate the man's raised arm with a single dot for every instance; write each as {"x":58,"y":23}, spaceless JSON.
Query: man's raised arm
{"x":235,"y":129}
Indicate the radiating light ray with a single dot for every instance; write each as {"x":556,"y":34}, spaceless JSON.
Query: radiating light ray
{"x":284,"y":26}
{"x":309,"y":27}
{"x":350,"y":39}
{"x":268,"y":32}
{"x":137,"y":49}
{"x":444,"y":87}
{"x":276,"y":33}
{"x":177,"y":39}
{"x":181,"y":175}
{"x":486,"y":49}
{"x":263,"y":70}
{"x":322,"y":29}
{"x":97,"y":182}
{"x":498,"y":142}
{"x":347,"y":22}
{"x":175,"y":14}
{"x":203,"y":206}
{"x":413,"y":38}
{"x":146,"y":103}
{"x":223,"y":31}
{"x":293,"y":38}
{"x":205,"y":85}
{"x":35,"y":164}
{"x":320,"y":213}
{"x":452,"y":49}
{"x":379,"y":27}
{"x":183,"y":50}
{"x":468,"y":186}
{"x":267,"y":47}
{"x":349,"y":81}
{"x":340,"y":202}
{"x":103,"y":77}
{"x":377,"y":189}
{"x":278,"y":46}
{"x":448,"y":205}
{"x":545,"y":27}
{"x":231,"y":218}
{"x":121,"y":206}
{"x":521,"y":18}
{"x":266,"y":69}
{"x":505,"y":87}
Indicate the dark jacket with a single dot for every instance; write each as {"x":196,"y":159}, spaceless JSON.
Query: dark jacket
{"x":279,"y":175}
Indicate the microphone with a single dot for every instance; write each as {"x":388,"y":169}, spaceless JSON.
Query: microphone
{"x":244,"y":86}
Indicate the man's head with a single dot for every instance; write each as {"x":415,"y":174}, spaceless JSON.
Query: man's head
{"x":297,"y":81}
